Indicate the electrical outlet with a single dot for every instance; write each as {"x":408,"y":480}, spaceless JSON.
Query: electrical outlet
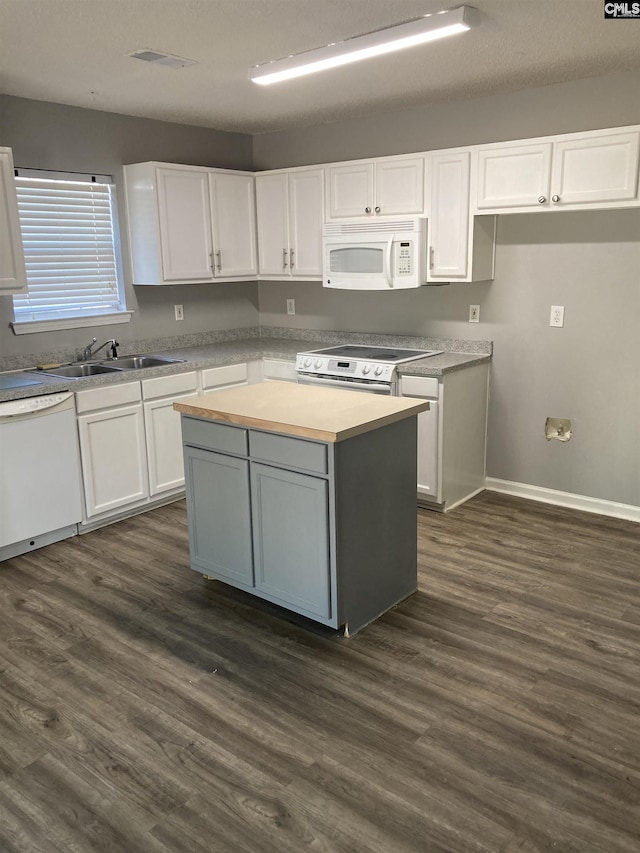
{"x":474,"y":313}
{"x":291,"y":306}
{"x":557,"y":316}
{"x":179,"y":312}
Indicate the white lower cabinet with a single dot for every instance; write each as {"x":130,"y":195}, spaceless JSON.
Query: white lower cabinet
{"x":452,"y":435}
{"x":162,"y":429}
{"x":131,"y":440}
{"x":112,"y":449}
{"x":429,"y":456}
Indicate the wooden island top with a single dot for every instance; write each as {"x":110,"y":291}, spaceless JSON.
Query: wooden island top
{"x":325,"y":414}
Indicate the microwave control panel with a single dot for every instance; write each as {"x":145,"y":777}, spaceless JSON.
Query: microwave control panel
{"x":404,"y":257}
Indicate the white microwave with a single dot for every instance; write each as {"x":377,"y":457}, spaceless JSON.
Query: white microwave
{"x":383,"y":254}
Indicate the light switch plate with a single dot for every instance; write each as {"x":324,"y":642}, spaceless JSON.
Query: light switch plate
{"x":474,"y":313}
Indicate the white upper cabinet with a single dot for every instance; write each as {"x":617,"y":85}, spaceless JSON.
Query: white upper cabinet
{"x":185,"y":225}
{"x":461,"y":246}
{"x":190,"y":224}
{"x":388,"y":186}
{"x":577,"y":171}
{"x":290,"y":207}
{"x":513,"y":176}
{"x":234,"y":225}
{"x":306,"y":215}
{"x":13,"y":276}
{"x":595,"y":169}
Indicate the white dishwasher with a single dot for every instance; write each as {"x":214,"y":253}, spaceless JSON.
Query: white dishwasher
{"x":40,"y":496}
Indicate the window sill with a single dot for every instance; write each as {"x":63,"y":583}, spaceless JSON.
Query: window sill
{"x":27,"y":327}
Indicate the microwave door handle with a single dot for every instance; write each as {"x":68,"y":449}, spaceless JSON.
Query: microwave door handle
{"x":387,"y":261}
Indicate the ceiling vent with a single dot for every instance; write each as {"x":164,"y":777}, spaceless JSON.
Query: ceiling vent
{"x":166,"y":59}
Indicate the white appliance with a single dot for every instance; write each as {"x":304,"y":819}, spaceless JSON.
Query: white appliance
{"x":381,"y":254}
{"x":356,"y":367}
{"x":40,"y":496}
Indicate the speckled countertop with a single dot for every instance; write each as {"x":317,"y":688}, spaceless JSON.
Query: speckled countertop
{"x":269,"y":343}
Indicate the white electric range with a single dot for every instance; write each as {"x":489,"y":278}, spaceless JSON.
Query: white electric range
{"x":357,"y":367}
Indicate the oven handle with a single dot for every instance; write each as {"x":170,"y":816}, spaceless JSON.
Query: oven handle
{"x":348,"y":386}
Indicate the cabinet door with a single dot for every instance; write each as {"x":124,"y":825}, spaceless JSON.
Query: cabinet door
{"x":428,"y":432}
{"x":595,"y":169}
{"x":13,"y":276}
{"x":350,"y":190}
{"x":185,"y":224}
{"x":399,"y":186}
{"x":114,"y":463}
{"x":291,"y":538}
{"x":219,"y":515}
{"x":273,"y":224}
{"x":306,"y":215}
{"x":449,"y":216}
{"x":164,"y":444}
{"x":514,"y":176}
{"x":234,"y":225}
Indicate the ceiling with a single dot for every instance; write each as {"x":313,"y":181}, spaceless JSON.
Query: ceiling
{"x":75,"y":52}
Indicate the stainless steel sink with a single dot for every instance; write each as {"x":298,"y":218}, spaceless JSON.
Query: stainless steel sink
{"x":116,"y":365}
{"x":138,"y":362}
{"x":78,"y":371}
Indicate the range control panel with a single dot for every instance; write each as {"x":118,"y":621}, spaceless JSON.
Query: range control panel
{"x":352,"y":368}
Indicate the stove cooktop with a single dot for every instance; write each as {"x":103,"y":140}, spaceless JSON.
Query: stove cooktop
{"x":364,"y":352}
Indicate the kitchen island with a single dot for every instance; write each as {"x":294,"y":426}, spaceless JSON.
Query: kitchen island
{"x":304,"y":497}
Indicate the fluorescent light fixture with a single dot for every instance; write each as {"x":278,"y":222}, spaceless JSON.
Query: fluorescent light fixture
{"x":420,"y":31}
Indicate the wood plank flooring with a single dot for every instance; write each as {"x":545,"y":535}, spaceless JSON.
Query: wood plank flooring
{"x":497,"y":710}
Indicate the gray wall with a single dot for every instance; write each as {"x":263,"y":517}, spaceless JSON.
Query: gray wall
{"x":609,"y":101}
{"x":54,"y":136}
{"x":589,"y":262}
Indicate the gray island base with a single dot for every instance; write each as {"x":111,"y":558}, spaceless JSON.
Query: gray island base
{"x":315,"y":517}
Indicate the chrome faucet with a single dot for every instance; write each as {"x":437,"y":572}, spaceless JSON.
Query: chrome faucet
{"x":89,"y":352}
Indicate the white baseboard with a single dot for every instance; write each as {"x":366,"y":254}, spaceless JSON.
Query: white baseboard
{"x":552,"y":496}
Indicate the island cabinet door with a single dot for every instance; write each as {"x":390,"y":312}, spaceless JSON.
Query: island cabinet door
{"x":291,"y":539}
{"x":218,"y":510}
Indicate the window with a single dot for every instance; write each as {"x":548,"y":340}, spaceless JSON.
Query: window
{"x":70,"y":238}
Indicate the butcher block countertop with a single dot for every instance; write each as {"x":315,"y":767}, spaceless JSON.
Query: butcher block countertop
{"x":323,"y":414}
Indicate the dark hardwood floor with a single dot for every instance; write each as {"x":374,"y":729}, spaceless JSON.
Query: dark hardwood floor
{"x":143,"y":708}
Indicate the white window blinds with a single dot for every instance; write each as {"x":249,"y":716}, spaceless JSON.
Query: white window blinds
{"x":70,"y":249}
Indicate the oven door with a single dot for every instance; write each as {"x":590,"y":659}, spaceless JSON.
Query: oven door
{"x":389,"y":389}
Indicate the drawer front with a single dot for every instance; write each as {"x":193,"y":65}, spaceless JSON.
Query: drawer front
{"x":212,"y":377}
{"x":275,"y":369}
{"x":290,"y":452}
{"x":167,"y":386}
{"x":212,"y":435}
{"x":419,"y":386}
{"x":108,"y":396}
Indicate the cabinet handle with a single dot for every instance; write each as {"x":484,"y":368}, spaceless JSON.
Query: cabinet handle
{"x":431,"y":255}
{"x":377,"y":210}
{"x":219,"y":257}
{"x":541,"y":199}
{"x":292,"y":258}
{"x":555,"y":198}
{"x":367,"y":210}
{"x":284,"y":259}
